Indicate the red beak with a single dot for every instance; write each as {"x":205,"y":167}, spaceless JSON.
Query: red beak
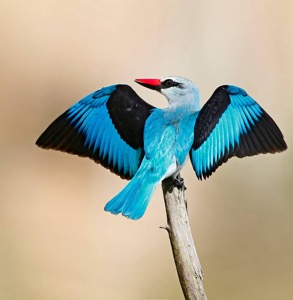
{"x":154,"y":84}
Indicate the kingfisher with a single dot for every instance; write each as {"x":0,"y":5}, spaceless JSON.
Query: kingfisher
{"x":116,"y":128}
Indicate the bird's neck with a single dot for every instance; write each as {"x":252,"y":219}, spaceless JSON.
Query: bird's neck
{"x":177,"y":112}
{"x":188,"y":104}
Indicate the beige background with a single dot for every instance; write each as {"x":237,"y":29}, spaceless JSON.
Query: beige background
{"x":56,"y":242}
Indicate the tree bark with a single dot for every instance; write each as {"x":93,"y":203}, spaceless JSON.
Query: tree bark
{"x":185,"y":256}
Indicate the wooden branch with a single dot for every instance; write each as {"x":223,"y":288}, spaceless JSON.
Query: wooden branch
{"x":185,"y":256}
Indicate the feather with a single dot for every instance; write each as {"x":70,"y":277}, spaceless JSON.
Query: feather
{"x":240,"y":123}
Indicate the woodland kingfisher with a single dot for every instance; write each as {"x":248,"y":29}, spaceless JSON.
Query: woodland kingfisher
{"x":137,"y":141}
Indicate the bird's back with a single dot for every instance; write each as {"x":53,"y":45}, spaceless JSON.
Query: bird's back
{"x":167,"y":134}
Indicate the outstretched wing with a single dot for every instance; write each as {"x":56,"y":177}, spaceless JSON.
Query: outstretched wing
{"x":106,"y":126}
{"x":231,"y":124}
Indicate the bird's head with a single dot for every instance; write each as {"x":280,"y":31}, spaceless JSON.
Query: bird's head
{"x":176,"y":89}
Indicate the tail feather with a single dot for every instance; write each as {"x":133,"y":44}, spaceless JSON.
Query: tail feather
{"x":133,"y":200}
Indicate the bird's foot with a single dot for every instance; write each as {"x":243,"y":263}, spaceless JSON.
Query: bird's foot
{"x":177,"y":182}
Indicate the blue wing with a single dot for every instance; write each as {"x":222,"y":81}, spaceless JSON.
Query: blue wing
{"x":106,"y":126}
{"x":231,"y":124}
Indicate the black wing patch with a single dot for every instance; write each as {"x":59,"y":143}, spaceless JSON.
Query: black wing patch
{"x":209,"y":115}
{"x":128,"y":113}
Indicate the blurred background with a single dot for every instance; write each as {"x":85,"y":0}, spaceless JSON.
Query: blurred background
{"x":56,"y":241}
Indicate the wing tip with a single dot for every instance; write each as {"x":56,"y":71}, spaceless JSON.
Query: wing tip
{"x":65,"y":138}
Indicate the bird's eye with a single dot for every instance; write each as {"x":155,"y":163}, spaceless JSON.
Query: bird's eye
{"x":168,"y":83}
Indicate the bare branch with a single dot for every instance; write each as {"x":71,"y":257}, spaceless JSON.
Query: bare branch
{"x":185,"y":256}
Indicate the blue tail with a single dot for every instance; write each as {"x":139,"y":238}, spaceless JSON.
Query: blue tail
{"x":133,"y":200}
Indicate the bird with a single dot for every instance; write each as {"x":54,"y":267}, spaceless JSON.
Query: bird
{"x":116,"y":128}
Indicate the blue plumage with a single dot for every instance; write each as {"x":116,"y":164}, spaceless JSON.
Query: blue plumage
{"x":137,"y":141}
{"x":90,"y":117}
{"x":133,"y":200}
{"x":238,"y":132}
{"x":166,"y":148}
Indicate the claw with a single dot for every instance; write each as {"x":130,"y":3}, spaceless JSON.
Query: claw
{"x":177,"y":182}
